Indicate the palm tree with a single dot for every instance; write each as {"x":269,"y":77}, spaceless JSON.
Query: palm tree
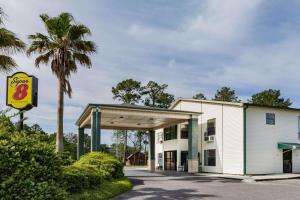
{"x":64,"y":48}
{"x":9,"y":43}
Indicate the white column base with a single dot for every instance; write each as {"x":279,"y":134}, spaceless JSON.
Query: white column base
{"x":151,"y":165}
{"x":193,"y":166}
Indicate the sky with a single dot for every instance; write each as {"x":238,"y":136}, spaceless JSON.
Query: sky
{"x":193,"y":46}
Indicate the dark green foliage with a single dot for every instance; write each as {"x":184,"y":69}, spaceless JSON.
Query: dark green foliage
{"x":90,"y":170}
{"x":29,"y":168}
{"x":81,"y":177}
{"x":127,"y":91}
{"x":156,"y":95}
{"x":6,"y":126}
{"x":199,"y":96}
{"x":270,"y":98}
{"x":9,"y":44}
{"x":226,"y":94}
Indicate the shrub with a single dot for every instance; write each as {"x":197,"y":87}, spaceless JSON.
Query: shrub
{"x":91,"y":170}
{"x":107,"y":165}
{"x":29,"y":168}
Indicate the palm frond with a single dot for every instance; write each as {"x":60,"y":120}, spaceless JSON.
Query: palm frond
{"x":2,"y":16}
{"x":83,"y":59}
{"x":7,"y":64}
{"x":9,"y":42}
{"x":78,"y":32}
{"x":44,"y":17}
{"x":44,"y":58}
{"x":84,"y":46}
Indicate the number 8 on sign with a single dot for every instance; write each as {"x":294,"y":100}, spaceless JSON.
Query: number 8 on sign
{"x":21,"y":92}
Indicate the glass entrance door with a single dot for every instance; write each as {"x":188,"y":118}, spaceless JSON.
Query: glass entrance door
{"x":184,"y":160}
{"x":287,"y":161}
{"x":170,"y":160}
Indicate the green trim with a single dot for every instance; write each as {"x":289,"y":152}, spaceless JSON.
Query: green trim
{"x":193,"y":139}
{"x":94,"y":132}
{"x":290,"y":146}
{"x":152,"y":144}
{"x":80,"y":142}
{"x":98,"y":130}
{"x":245,"y":139}
{"x":274,"y":107}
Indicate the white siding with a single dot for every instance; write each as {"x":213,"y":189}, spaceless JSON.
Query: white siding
{"x":158,"y":146}
{"x":211,"y":111}
{"x":233,"y":130}
{"x":263,"y":157}
{"x":229,"y":135}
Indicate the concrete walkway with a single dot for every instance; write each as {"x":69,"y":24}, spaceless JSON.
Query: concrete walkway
{"x":139,"y":171}
{"x":269,"y":177}
{"x":142,"y":171}
{"x":182,"y":186}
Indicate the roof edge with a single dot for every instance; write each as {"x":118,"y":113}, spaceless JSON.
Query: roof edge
{"x":90,"y":106}
{"x":205,"y":101}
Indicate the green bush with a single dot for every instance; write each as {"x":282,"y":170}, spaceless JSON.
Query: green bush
{"x":29,"y":168}
{"x":107,"y":165}
{"x":91,"y":170}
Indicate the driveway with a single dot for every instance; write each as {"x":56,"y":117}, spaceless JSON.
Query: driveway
{"x":183,"y":186}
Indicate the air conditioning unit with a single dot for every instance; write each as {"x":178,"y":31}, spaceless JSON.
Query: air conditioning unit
{"x":211,"y":138}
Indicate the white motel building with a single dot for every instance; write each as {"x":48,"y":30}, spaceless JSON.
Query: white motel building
{"x":233,"y":138}
{"x":205,"y":136}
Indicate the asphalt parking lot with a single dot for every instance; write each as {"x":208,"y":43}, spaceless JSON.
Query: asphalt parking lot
{"x":199,"y":187}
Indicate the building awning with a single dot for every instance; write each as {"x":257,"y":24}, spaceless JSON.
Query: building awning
{"x":282,"y":145}
{"x":134,"y":117}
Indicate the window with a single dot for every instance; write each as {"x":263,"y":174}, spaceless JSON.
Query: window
{"x":211,"y":127}
{"x":184,"y":131}
{"x":170,"y":133}
{"x":210,"y":157}
{"x":270,"y":118}
{"x":299,"y":127}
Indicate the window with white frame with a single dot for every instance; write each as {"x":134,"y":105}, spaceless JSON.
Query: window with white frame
{"x":184,"y":131}
{"x":270,"y":118}
{"x":211,"y":127}
{"x":210,"y":157}
{"x":170,"y":133}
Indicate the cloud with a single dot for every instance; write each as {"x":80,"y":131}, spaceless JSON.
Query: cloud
{"x":194,"y":46}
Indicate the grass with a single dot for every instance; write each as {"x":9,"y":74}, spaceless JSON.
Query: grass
{"x":106,"y":190}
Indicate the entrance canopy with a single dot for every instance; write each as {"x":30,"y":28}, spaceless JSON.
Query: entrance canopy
{"x":290,"y":146}
{"x":133,"y":117}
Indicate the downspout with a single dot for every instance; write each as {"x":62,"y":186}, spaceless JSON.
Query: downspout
{"x":244,"y":138}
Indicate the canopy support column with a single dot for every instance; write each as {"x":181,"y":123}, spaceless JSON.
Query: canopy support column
{"x":95,"y":130}
{"x":152,"y":150}
{"x":80,"y":142}
{"x":193,"y":145}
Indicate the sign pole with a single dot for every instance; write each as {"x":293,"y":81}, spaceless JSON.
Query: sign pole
{"x":21,"y":124}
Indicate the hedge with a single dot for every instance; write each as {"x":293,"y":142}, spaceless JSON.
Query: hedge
{"x":91,"y":170}
{"x":29,"y":169}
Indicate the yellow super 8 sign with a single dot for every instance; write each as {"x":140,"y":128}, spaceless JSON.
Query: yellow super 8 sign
{"x":21,"y":91}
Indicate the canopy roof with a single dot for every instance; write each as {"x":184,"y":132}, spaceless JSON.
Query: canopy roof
{"x":282,"y":145}
{"x":133,"y":117}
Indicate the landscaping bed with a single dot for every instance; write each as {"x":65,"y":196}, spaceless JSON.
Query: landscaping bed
{"x":106,"y":190}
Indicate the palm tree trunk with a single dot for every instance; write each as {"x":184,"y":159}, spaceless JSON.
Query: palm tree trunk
{"x":60,"y":114}
{"x":125,"y":147}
